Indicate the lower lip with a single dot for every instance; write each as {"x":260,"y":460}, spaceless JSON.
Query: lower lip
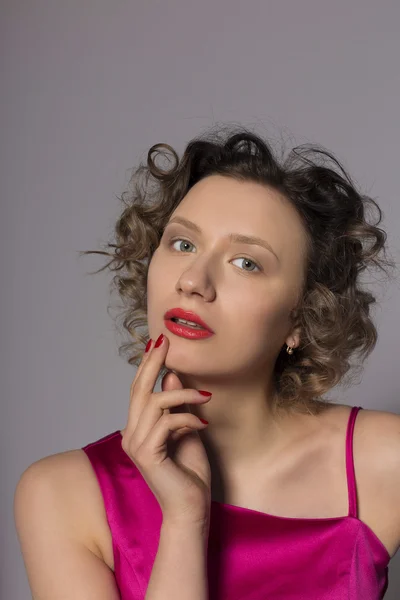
{"x":186,"y":332}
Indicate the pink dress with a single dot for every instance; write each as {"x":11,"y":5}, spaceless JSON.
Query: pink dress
{"x":251,"y":555}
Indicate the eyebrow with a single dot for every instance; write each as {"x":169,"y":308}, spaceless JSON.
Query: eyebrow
{"x":239,"y":238}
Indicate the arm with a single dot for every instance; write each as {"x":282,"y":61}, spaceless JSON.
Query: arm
{"x":58,"y":563}
{"x":180,"y":567}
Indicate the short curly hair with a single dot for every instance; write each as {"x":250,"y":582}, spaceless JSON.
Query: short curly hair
{"x":333,"y":311}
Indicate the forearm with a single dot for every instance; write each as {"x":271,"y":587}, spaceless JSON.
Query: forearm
{"x":180,"y":567}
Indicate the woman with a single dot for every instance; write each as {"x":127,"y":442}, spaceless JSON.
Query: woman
{"x":284,"y":493}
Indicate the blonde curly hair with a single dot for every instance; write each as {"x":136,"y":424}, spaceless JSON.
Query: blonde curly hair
{"x":333,"y":311}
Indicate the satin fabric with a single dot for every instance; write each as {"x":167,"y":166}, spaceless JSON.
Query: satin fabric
{"x":251,"y":555}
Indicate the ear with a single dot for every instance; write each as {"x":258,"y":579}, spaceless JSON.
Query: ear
{"x":293,"y":339}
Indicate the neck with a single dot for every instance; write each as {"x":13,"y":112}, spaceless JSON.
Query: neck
{"x":245,"y":425}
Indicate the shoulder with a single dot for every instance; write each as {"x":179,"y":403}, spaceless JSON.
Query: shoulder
{"x":376,"y":446}
{"x":378,"y":421}
{"x":378,"y":433}
{"x":65,"y":484}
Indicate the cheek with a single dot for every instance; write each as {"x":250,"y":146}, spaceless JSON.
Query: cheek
{"x":152,"y":286}
{"x":264,"y":316}
{"x":157,"y":275}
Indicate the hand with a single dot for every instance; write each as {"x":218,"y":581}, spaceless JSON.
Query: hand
{"x":182,"y":483}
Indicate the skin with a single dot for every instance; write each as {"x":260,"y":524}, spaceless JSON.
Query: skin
{"x":248,"y":307}
{"x":284,"y":464}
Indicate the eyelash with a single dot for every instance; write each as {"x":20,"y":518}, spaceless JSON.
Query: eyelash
{"x":173,"y":240}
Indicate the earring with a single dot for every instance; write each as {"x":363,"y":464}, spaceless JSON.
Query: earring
{"x":289,"y":350}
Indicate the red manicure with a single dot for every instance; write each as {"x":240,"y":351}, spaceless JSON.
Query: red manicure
{"x":159,"y":340}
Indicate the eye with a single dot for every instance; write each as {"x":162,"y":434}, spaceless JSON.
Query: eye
{"x":248,"y":260}
{"x":242,"y":258}
{"x":179,"y":240}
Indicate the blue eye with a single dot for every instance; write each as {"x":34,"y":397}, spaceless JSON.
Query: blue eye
{"x":242,"y":258}
{"x":180,"y":240}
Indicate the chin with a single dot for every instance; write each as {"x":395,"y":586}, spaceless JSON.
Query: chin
{"x":180,"y":362}
{"x":174,"y":362}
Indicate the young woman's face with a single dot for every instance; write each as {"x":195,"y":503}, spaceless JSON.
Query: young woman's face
{"x":243,"y":292}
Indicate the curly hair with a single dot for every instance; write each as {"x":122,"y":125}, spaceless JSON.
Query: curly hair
{"x":333,"y":310}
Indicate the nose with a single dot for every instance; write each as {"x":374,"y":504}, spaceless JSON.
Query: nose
{"x":197,"y":279}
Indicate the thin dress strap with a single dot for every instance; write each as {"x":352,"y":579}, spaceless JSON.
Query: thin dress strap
{"x":351,"y":481}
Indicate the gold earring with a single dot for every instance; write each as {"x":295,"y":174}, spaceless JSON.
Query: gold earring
{"x":289,"y":350}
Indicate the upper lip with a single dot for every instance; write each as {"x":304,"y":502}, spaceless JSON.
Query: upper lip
{"x":188,"y":315}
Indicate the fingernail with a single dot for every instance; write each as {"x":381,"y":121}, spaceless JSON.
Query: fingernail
{"x":203,"y":421}
{"x":148,"y":345}
{"x":159,"y":340}
{"x":204,"y":393}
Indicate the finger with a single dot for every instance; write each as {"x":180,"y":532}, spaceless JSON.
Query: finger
{"x":171,"y":381}
{"x":149,"y":346}
{"x":175,"y":436}
{"x":148,"y":376}
{"x":144,"y":382}
{"x":142,"y":362}
{"x":158,"y":402}
{"x":153,"y":449}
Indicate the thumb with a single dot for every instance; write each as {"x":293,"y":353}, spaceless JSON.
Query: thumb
{"x":170,"y":382}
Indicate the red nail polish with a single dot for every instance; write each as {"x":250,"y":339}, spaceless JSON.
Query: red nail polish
{"x":203,"y":421}
{"x":148,"y":345}
{"x":204,"y":393}
{"x":159,"y":340}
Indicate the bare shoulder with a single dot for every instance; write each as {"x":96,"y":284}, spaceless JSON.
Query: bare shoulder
{"x":68,"y":479}
{"x":378,"y":442}
{"x":376,"y":446}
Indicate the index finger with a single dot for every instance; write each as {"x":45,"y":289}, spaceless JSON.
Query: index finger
{"x":149,"y":346}
{"x":145,"y":380}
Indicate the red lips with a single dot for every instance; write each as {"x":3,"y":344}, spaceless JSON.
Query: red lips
{"x":188,"y":315}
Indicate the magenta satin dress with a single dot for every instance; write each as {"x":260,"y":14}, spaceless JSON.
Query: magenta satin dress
{"x":251,"y":555}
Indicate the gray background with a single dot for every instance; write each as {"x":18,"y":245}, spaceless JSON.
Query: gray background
{"x":87,"y":87}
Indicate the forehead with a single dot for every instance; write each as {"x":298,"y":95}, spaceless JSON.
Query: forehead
{"x":220,"y":205}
